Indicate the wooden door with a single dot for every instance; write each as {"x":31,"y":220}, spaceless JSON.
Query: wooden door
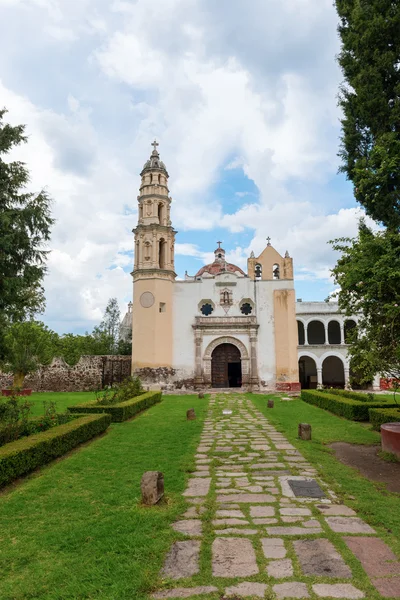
{"x":220,"y":358}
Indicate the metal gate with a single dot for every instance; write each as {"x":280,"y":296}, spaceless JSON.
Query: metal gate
{"x":115,"y":369}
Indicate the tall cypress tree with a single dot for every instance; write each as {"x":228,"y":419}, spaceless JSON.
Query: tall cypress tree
{"x":370,"y":99}
{"x":25,"y":223}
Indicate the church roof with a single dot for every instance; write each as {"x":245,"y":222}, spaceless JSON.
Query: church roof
{"x":219,"y":265}
{"x":154,"y":161}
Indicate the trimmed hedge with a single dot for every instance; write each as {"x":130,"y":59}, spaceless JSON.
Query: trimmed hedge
{"x":123,"y":410}
{"x":359,"y":396}
{"x":379,"y":416}
{"x":26,"y":454}
{"x":345,"y":407}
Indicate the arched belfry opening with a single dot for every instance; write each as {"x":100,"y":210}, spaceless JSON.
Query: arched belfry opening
{"x":161,"y":253}
{"x":226,"y":366}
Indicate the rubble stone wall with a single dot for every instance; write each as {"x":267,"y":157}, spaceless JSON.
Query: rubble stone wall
{"x":87,"y":375}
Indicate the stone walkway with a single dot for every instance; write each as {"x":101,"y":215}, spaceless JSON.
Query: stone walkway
{"x":261,"y":524}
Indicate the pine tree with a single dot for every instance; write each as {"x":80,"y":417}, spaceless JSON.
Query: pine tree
{"x":25,"y":224}
{"x":370,"y":99}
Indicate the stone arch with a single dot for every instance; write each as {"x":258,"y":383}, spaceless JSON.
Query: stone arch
{"x":316,"y":332}
{"x":244,"y":355}
{"x":300,"y":333}
{"x":308,"y":370}
{"x":334,"y":332}
{"x":333,"y":371}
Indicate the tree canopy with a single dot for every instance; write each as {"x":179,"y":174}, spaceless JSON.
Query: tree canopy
{"x":25,"y":224}
{"x":368,"y":274}
{"x":370,"y":100}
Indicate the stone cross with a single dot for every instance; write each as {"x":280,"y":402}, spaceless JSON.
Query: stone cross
{"x":268,"y":241}
{"x":219,"y":244}
{"x":155,"y":144}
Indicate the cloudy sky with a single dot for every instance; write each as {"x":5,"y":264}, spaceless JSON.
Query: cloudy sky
{"x":242,"y":97}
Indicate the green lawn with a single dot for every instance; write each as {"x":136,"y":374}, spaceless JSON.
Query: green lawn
{"x":62,"y":400}
{"x":75,"y":529}
{"x":380,"y":508}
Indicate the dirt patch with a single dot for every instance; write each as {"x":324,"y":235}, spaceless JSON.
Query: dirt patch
{"x":366,"y":460}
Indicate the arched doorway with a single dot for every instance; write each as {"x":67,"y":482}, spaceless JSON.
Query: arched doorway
{"x":226,"y":366}
{"x":307,"y":373}
{"x":316,"y":333}
{"x":333,"y":372}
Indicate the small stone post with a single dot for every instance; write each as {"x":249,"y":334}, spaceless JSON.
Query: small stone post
{"x":152,"y":486}
{"x":190,"y":414}
{"x":201,"y":395}
{"x":304,"y":431}
{"x":270,"y":404}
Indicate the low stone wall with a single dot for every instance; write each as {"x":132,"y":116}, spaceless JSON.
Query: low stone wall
{"x":88,"y":374}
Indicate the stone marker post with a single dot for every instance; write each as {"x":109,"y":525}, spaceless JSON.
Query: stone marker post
{"x":304,"y":431}
{"x":190,"y":414}
{"x":152,"y":486}
{"x":270,"y":404}
{"x":200,"y":395}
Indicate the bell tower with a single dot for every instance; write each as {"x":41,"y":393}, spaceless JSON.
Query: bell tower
{"x":153,"y":273}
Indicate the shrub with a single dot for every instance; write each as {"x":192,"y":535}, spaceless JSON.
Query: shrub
{"x":123,"y":410}
{"x":131,"y":387}
{"x":379,"y":416}
{"x":26,"y":454}
{"x":345,"y":407}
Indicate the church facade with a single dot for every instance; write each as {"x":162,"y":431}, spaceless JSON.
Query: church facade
{"x":224,"y":327}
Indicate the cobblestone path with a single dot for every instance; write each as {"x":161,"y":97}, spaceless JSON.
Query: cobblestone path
{"x":246,"y":534}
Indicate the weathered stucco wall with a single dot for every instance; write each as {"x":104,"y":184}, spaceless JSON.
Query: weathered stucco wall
{"x":88,"y":374}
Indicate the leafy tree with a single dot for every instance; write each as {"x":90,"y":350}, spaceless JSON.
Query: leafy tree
{"x":108,"y":331}
{"x":28,"y":345}
{"x":370,"y":99}
{"x":368,"y":274}
{"x":25,"y":224}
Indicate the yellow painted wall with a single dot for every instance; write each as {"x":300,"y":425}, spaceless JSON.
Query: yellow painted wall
{"x":285,"y":336}
{"x":152,"y":330}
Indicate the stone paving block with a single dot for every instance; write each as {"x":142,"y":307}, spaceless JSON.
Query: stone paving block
{"x":348,"y":525}
{"x":198,"y":486}
{"x":388,"y":588}
{"x":293,"y":530}
{"x":182,"y":560}
{"x":337,"y":590}
{"x":185,"y":592}
{"x":279,"y":569}
{"x":233,"y":557}
{"x":294,"y":512}
{"x":247,"y":498}
{"x":273,"y":547}
{"x":375,"y":556}
{"x":270,"y":465}
{"x":247,"y":588}
{"x":265,"y":521}
{"x":292,"y":589}
{"x":188,"y":526}
{"x":233,"y":514}
{"x":336,"y":510}
{"x":262,"y":511}
{"x":227,"y":522}
{"x":237,"y":531}
{"x":319,"y":557}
